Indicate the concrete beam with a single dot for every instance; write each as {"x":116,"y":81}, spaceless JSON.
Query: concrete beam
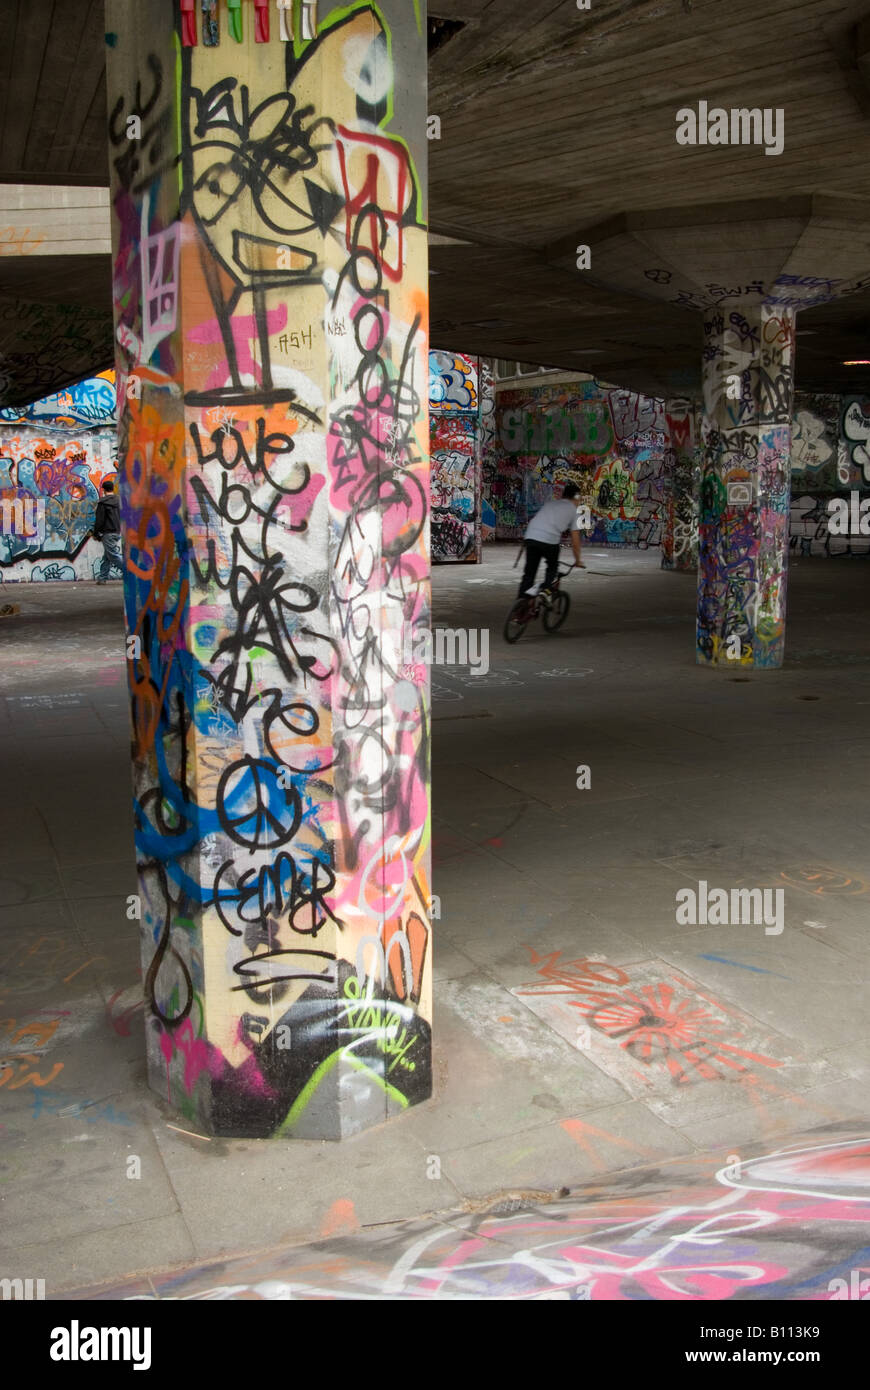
{"x":39,"y":219}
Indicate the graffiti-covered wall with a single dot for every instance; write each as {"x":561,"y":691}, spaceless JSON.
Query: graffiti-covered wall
{"x":54,"y":455}
{"x":640,"y":426}
{"x":829,"y":458}
{"x":611,"y":444}
{"x":455,"y":441}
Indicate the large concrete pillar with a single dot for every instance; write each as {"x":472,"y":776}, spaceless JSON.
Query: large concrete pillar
{"x":270,"y":286}
{"x":681,"y":468}
{"x":748,"y":267}
{"x":743,"y":532}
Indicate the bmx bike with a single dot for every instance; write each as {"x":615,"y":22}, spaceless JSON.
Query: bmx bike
{"x":551,"y":604}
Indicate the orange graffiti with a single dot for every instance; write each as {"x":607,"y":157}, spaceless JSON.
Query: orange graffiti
{"x":341,"y":1219}
{"x":24,"y":1060}
{"x":41,"y":1031}
{"x":16,"y":241}
{"x":779,"y":331}
{"x":820,"y":879}
{"x":155,"y":453}
{"x":417,"y":934}
{"x":584,"y":1134}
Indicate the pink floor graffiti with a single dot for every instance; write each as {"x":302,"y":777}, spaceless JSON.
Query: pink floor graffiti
{"x":792,"y":1224}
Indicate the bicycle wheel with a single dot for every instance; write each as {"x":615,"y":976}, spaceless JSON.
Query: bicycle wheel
{"x":517,"y":620}
{"x":555,"y":615}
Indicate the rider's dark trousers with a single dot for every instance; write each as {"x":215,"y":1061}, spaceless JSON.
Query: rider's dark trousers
{"x":536,"y":551}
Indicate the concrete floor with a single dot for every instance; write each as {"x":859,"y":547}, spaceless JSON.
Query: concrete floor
{"x":787,"y":1225}
{"x":580,"y":1032}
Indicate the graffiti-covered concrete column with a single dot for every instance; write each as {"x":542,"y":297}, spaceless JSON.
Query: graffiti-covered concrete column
{"x":487,"y":447}
{"x":681,"y":469}
{"x":454,"y":406}
{"x":270,"y":287}
{"x":743,"y":532}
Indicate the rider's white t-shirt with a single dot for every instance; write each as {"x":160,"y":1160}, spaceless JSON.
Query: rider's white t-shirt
{"x":547,"y":525}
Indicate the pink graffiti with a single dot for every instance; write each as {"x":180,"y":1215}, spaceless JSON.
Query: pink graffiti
{"x":120,"y":1018}
{"x":198,"y":1055}
{"x":610,"y":1274}
{"x":245,"y":333}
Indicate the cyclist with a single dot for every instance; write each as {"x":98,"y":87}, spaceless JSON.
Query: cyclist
{"x":544,"y":534}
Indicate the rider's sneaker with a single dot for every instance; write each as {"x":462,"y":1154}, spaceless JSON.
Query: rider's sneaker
{"x":535,"y":589}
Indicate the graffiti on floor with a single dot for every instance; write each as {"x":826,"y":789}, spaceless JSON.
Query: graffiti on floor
{"x":448,"y":845}
{"x":39,"y":1026}
{"x":25,"y":1039}
{"x":123,"y":1007}
{"x":61,"y":700}
{"x":447,"y":684}
{"x":667,"y":1029}
{"x":603,"y":1149}
{"x":23,"y":1042}
{"x":66,"y":1107}
{"x":27,"y":1069}
{"x":33,"y":966}
{"x":824,"y":881}
{"x":783,"y":1224}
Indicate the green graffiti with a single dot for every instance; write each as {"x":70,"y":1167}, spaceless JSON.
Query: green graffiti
{"x":584,"y":431}
{"x":371,"y":1016}
{"x":714,"y":497}
{"x":302,"y":1101}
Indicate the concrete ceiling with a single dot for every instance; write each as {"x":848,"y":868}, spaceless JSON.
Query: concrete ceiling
{"x":554,"y":122}
{"x":53,"y":92}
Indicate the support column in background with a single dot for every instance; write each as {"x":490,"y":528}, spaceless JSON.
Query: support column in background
{"x":487,"y":441}
{"x":682,"y":482}
{"x":270,"y":287}
{"x":744,"y":517}
{"x":454,"y":435}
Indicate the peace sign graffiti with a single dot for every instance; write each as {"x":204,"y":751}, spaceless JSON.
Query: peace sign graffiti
{"x":253,"y":808}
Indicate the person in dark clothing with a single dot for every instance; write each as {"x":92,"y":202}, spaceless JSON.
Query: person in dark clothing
{"x":544,"y":535}
{"x":107,"y":528}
